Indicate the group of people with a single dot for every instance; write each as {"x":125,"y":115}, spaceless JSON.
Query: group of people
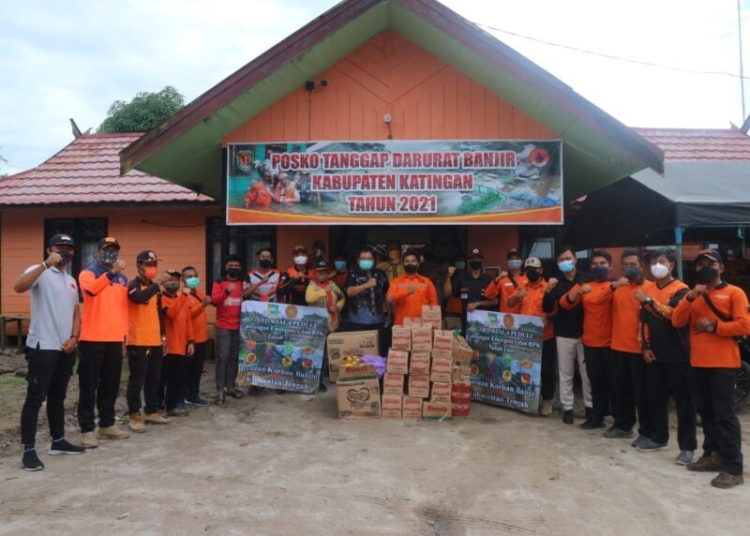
{"x":636,"y":341}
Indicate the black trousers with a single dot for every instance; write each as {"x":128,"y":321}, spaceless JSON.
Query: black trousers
{"x":663,"y":379}
{"x":549,"y":369}
{"x":99,"y":373}
{"x":713,"y":391}
{"x":145,"y":374}
{"x":48,"y":377}
{"x":599,"y":368}
{"x":629,"y":392}
{"x":195,"y":369}
{"x":174,"y":379}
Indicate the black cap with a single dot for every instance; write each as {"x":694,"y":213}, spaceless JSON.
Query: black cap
{"x":147,"y":256}
{"x":513,"y":251}
{"x":711,"y":254}
{"x":61,"y":240}
{"x":108,"y":241}
{"x":321,"y":264}
{"x":476,"y":252}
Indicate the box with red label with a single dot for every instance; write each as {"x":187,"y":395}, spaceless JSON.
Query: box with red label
{"x":461,"y":387}
{"x":393,"y":384}
{"x":460,"y":410}
{"x":358,"y":372}
{"x":443,"y":342}
{"x":461,"y":373}
{"x":440,"y":391}
{"x":419,"y":363}
{"x":419,"y":385}
{"x":392,"y":406}
{"x":442,"y":369}
{"x":358,"y":399}
{"x":431,"y":314}
{"x":412,"y":407}
{"x":357,"y":343}
{"x":401,"y":339}
{"x":398,"y":362}
{"x":421,"y":339}
{"x":442,"y":353}
{"x":436,"y":411}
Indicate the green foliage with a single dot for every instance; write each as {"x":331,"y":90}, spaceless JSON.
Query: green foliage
{"x":484,"y":202}
{"x":145,"y":112}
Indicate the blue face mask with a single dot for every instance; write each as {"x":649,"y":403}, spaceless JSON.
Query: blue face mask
{"x":340,"y":265}
{"x":600,"y":272}
{"x":366,"y":264}
{"x":631,"y":272}
{"x":192,"y":282}
{"x":566,"y":266}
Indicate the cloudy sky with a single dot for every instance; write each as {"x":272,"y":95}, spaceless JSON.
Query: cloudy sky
{"x":72,"y":59}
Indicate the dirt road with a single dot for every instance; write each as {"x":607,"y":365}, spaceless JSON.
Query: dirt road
{"x":284,"y":465}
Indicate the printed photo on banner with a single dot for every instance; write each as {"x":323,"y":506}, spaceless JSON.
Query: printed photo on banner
{"x":419,"y":182}
{"x":507,"y":371}
{"x":282,"y":346}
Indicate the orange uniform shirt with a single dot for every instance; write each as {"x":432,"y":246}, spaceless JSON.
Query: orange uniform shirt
{"x":410,"y":305}
{"x":503,"y":290}
{"x":177,"y":323}
{"x":198,"y":316}
{"x":144,"y":322}
{"x":105,"y":307}
{"x":718,"y":349}
{"x":531,"y":304}
{"x":626,"y":317}
{"x":597,"y":313}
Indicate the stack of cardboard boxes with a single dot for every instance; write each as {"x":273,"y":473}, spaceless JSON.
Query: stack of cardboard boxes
{"x":357,"y":389}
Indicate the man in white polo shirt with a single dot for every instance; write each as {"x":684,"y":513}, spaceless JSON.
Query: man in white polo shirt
{"x":50,"y":347}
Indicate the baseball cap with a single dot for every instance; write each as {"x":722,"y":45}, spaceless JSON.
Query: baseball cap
{"x":147,"y":256}
{"x":108,"y":241}
{"x":320,"y":264}
{"x":61,"y":240}
{"x":476,"y":252}
{"x":711,"y":254}
{"x":513,"y":251}
{"x":173,"y":272}
{"x":532,"y":262}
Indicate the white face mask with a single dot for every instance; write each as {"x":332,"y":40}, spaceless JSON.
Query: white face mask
{"x":659,"y":271}
{"x":300,"y":260}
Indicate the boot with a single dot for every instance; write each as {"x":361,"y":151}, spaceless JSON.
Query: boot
{"x":112,"y":432}
{"x":88,"y":440}
{"x":156,"y":418}
{"x":136,"y":423}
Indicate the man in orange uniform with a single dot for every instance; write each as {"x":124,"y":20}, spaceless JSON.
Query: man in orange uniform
{"x":529,"y":298}
{"x":198,"y":303}
{"x":508,"y":282}
{"x":180,"y":343}
{"x":716,"y":312}
{"x":666,"y":351}
{"x":259,"y":194}
{"x":628,"y":367}
{"x":104,"y":328}
{"x":596,"y":298}
{"x":409,"y":292}
{"x":286,"y":190}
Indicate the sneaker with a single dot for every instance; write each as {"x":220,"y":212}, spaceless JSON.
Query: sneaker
{"x":156,"y":418}
{"x":649,"y":445}
{"x":88,"y":440}
{"x":136,"y":423}
{"x":711,"y":463}
{"x":546,"y":410}
{"x":616,"y":433}
{"x":684,"y":457}
{"x":640,"y":440}
{"x":182,"y":407}
{"x":567,"y":416}
{"x":112,"y":432}
{"x":197,"y":401}
{"x":177,"y":412}
{"x":63,"y":447}
{"x":727,"y":480}
{"x":31,"y":461}
{"x":592,"y":424}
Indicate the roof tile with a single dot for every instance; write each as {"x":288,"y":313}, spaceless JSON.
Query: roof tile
{"x":695,"y":145}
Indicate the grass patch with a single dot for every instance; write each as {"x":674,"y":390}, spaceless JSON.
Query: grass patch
{"x":12,"y":380}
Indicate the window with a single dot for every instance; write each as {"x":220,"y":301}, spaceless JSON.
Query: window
{"x":242,"y":240}
{"x":85,"y":231}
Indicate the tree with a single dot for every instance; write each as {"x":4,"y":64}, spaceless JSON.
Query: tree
{"x":145,"y":112}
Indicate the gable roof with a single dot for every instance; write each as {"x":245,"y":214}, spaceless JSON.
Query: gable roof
{"x":700,"y":144}
{"x":88,"y":171}
{"x":186,"y":149}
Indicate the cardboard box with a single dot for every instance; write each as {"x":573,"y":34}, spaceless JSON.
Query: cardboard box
{"x":411,"y":407}
{"x":462,"y":352}
{"x":437,"y":411}
{"x":431,"y":314}
{"x":442,"y":369}
{"x":349,"y":343}
{"x":407,"y":321}
{"x":393,"y":384}
{"x":421,"y":335}
{"x":442,"y":353}
{"x":440,"y":391}
{"x":360,"y":372}
{"x":392,"y":405}
{"x":460,"y":410}
{"x":398,"y":362}
{"x":461,"y":373}
{"x":443,"y":341}
{"x":419,"y":363}
{"x":452,"y":323}
{"x":401,"y":338}
{"x":461,"y":387}
{"x":419,"y":385}
{"x":358,"y":399}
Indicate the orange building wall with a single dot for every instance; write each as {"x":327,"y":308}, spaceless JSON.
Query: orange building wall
{"x":178,"y":236}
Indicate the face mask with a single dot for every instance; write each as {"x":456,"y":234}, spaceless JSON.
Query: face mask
{"x":600,"y":272}
{"x":707,"y":274}
{"x":321,"y":277}
{"x":659,"y":271}
{"x":514,"y":264}
{"x":265,"y":263}
{"x":460,"y":265}
{"x":300,"y":260}
{"x":631,"y":272}
{"x":67,"y":256}
{"x":192,"y":282}
{"x":533,"y":275}
{"x":233,"y":272}
{"x":475,"y":265}
{"x":410,"y":268}
{"x":566,"y":266}
{"x":108,"y":257}
{"x":394,"y":254}
{"x":172,"y":286}
{"x":340,"y":265}
{"x":150,"y":272}
{"x":366,"y":264}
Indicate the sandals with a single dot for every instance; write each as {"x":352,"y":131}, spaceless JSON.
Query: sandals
{"x":220,"y":400}
{"x":235,"y":393}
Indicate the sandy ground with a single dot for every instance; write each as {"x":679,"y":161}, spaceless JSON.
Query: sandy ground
{"x":285,"y":465}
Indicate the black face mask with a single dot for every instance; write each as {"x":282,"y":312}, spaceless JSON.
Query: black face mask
{"x":265,"y":263}
{"x":410,"y":268}
{"x":233,"y":272}
{"x":475,"y":265}
{"x":533,"y":275}
{"x":707,"y":274}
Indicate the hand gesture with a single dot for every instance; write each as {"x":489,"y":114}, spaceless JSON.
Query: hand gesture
{"x":190,"y":349}
{"x":701,"y":325}
{"x":371,"y":283}
{"x":521,"y":293}
{"x":649,"y":356}
{"x":207,"y":301}
{"x":451,"y":271}
{"x":552,"y":283}
{"x":698,"y":291}
{"x":641,"y":297}
{"x":411,"y":289}
{"x":231,"y":287}
{"x":621,"y":282}
{"x":69,"y":345}
{"x":118,"y":266}
{"x":186,"y":291}
{"x":585,"y":289}
{"x":53,"y":259}
{"x":263,"y":280}
{"x":333,"y":309}
{"x":472,"y":307}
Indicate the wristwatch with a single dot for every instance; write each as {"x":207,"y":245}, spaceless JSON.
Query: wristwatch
{"x":648,"y":301}
{"x":711,"y":327}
